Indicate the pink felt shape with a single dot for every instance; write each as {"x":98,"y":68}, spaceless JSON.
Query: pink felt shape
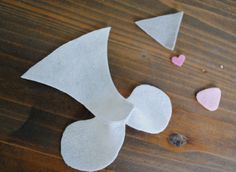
{"x":209,"y":98}
{"x":178,"y":61}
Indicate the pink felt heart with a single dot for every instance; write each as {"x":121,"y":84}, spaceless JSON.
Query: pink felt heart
{"x":178,"y":61}
{"x":209,"y":98}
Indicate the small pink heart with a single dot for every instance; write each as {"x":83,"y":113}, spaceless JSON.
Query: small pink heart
{"x":178,"y":61}
{"x":209,"y":98}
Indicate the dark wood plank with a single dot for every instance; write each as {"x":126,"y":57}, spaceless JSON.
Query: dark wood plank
{"x":33,"y":116}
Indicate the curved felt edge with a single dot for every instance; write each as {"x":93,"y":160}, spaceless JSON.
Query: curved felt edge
{"x":152,"y":110}
{"x":91,"y":145}
{"x":80,"y":69}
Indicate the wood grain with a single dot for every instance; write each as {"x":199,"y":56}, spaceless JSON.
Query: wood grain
{"x":33,"y":116}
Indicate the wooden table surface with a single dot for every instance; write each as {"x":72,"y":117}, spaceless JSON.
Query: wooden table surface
{"x":33,"y":116}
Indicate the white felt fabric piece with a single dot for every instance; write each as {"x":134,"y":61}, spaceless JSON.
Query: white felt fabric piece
{"x":152,"y":111}
{"x":80,"y":69}
{"x":91,"y":145}
{"x":164,"y":29}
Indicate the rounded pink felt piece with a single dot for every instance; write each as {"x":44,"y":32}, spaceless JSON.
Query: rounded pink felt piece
{"x":209,"y":98}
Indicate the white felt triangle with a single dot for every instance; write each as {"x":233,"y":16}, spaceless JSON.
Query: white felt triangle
{"x":164,"y":29}
{"x":91,"y":145}
{"x":80,"y":69}
{"x":152,"y":111}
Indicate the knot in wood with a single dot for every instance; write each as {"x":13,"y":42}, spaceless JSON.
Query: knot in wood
{"x":177,"y":139}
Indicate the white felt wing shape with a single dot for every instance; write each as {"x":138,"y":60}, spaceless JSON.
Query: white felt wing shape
{"x":164,"y":29}
{"x":80,"y":69}
{"x":91,"y":145}
{"x":152,"y":110}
